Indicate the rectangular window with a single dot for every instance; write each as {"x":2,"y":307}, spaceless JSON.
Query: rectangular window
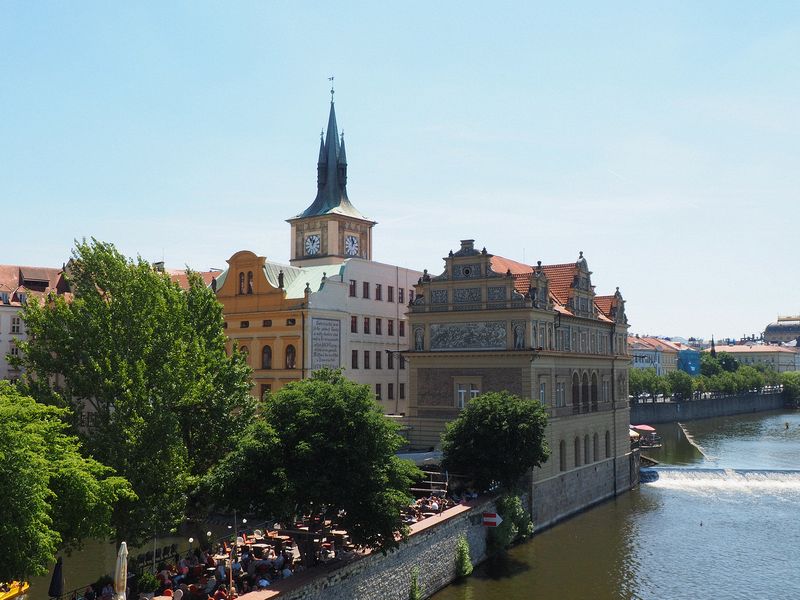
{"x":353,"y":324}
{"x":400,"y":295}
{"x":378,"y":359}
{"x":461,"y":395}
{"x":225,"y":325}
{"x":378,"y":391}
{"x":402,"y":391}
{"x":291,"y":322}
{"x":266,"y":323}
{"x":354,"y":360}
{"x":474,"y":391}
{"x":402,"y":362}
{"x":244,"y":324}
{"x":366,"y":359}
{"x":366,"y":324}
{"x":378,"y":291}
{"x":390,"y":391}
{"x":14,"y":351}
{"x":378,"y":326}
{"x":265,"y":388}
{"x":390,"y":327}
{"x":352,"y":288}
{"x":365,"y":291}
{"x":402,"y":328}
{"x":410,"y":296}
{"x":543,"y":393}
{"x":606,"y":397}
{"x":390,"y":360}
{"x":390,"y":293}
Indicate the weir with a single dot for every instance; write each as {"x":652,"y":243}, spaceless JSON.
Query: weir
{"x":688,"y":477}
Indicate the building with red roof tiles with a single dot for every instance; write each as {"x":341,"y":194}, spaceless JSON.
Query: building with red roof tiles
{"x":17,"y":285}
{"x":488,"y":323}
{"x":779,"y":358}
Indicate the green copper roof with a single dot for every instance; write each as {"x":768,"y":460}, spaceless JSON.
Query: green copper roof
{"x":332,"y":177}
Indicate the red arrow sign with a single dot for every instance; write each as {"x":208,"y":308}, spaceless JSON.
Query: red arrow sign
{"x":491,"y":519}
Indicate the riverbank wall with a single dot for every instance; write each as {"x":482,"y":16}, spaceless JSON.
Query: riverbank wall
{"x":569,"y":493}
{"x":705,"y":408}
{"x":431,"y":548}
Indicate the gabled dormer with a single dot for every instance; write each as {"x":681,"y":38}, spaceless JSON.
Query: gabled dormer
{"x":581,"y":290}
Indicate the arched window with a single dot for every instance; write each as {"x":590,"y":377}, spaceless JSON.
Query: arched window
{"x":596,"y":447}
{"x":249,"y":282}
{"x":585,"y":393}
{"x":562,"y":455}
{"x":577,"y":452}
{"x":241,"y":283}
{"x":246,"y":351}
{"x":587,"y":458}
{"x":608,"y":445}
{"x":266,"y":357}
{"x":291,"y":355}
{"x":594,"y":392}
{"x":576,"y":394}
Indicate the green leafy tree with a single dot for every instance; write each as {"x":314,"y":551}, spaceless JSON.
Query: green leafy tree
{"x":709,"y":365}
{"x":728,"y":362}
{"x":321,"y":446}
{"x":145,"y":362}
{"x":53,"y":497}
{"x":791,"y":387}
{"x":497,"y":438}
{"x":751,"y":379}
{"x":636,"y":382}
{"x":680,"y":382}
{"x":700,"y":384}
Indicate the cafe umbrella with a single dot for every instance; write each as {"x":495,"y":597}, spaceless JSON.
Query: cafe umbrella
{"x":56,"y":589}
{"x":121,"y":572}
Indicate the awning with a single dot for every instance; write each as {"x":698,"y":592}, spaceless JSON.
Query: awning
{"x":643,"y":427}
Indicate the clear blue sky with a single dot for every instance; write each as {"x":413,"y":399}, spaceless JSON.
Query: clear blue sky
{"x":661,"y":138}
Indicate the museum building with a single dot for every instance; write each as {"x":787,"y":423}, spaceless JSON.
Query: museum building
{"x":487,"y":323}
{"x":332,"y":305}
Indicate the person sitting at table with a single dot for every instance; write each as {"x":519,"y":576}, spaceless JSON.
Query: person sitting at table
{"x":221,"y":593}
{"x":211,"y":584}
{"x":263,"y":583}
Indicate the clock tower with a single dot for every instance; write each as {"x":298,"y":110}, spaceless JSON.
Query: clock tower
{"x":331,"y":229}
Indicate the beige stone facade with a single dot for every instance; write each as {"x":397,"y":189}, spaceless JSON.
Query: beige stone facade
{"x":491,"y":324}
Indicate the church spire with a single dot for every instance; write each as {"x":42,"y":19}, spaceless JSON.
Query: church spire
{"x":331,"y":175}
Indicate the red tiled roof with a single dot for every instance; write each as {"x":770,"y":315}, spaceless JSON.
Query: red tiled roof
{"x":501,"y":266}
{"x":604,"y":304}
{"x":182,"y":279}
{"x":560,"y":278}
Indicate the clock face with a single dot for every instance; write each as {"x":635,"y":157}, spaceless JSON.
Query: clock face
{"x":312,"y":245}
{"x":351,"y":245}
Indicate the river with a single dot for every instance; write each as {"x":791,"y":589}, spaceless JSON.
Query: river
{"x":690,"y":534}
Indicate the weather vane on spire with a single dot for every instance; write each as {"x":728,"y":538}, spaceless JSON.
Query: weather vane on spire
{"x":332,"y":91}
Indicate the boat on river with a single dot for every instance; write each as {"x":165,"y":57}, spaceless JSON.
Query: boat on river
{"x":648,"y":438}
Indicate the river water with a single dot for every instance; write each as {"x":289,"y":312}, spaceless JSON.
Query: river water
{"x":712,"y":533}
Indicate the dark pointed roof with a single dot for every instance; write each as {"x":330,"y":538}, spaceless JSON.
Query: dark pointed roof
{"x":331,"y":177}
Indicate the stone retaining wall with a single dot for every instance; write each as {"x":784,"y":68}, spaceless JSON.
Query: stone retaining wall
{"x":431,"y":548}
{"x":689,"y":410}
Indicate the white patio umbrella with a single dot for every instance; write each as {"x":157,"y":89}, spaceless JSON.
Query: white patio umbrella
{"x":121,"y":572}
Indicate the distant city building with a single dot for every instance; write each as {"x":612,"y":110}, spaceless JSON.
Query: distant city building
{"x":779,"y":358}
{"x":332,"y":306}
{"x":487,"y":323}
{"x":662,"y":354}
{"x":785,"y":329}
{"x":17,"y":285}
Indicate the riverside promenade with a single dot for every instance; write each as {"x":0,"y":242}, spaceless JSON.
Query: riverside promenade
{"x":704,"y":408}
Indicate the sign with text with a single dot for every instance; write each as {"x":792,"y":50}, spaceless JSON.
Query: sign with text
{"x":325,"y":343}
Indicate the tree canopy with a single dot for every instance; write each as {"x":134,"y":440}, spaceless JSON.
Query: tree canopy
{"x":497,"y":438}
{"x":52,"y":496}
{"x":321,"y":446}
{"x":142,"y":365}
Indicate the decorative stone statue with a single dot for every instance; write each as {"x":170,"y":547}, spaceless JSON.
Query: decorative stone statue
{"x":419,"y":340}
{"x":519,"y":337}
{"x":280,"y":279}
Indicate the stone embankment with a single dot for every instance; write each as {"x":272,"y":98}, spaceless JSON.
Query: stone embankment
{"x":690,"y":410}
